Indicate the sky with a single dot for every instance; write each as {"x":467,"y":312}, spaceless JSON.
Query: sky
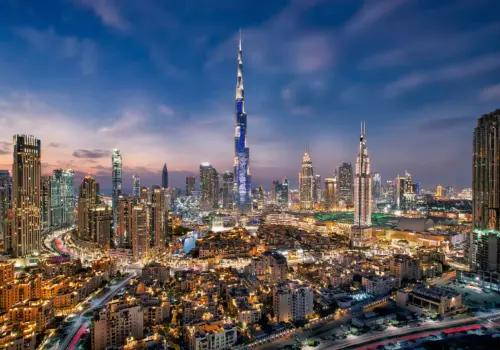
{"x":157,"y":79}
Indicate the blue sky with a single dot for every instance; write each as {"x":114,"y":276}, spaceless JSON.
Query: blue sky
{"x":157,"y":80}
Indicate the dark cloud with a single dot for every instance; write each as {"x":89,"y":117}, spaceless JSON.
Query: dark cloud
{"x":94,"y":153}
{"x":446,"y":123}
{"x":54,"y":145}
{"x":5,"y":147}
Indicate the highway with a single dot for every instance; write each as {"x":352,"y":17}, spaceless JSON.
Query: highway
{"x":366,"y":338}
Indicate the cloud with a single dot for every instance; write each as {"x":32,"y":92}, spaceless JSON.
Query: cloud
{"x":54,"y":144}
{"x":128,"y":121}
{"x":166,"y":110}
{"x":94,"y":153}
{"x":447,"y":73}
{"x":108,"y":12}
{"x":370,"y":13}
{"x":84,"y":51}
{"x":490,"y":93}
{"x":5,"y":147}
{"x":446,"y":123}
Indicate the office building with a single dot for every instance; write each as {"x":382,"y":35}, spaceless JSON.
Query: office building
{"x":344,"y":183}
{"x":317,"y":188}
{"x":88,"y":200}
{"x":140,"y":235}
{"x":26,"y":200}
{"x":116,"y":177}
{"x":158,"y":218}
{"x":136,"y":186}
{"x":242,"y":177}
{"x":330,"y":199}
{"x":124,"y":218}
{"x":190,"y":185}
{"x":100,"y":223}
{"x":306,"y":183}
{"x":68,"y":197}
{"x":406,"y":192}
{"x":274,"y":186}
{"x":227,"y":190}
{"x":282,"y":193}
{"x":377,"y":185}
{"x":164,"y":176}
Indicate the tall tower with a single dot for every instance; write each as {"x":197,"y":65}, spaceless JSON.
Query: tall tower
{"x":361,"y":233}
{"x":88,"y":201}
{"x":227,"y":190}
{"x":344,"y":181}
{"x":26,"y":200}
{"x":164,"y":176}
{"x":207,"y":186}
{"x":377,"y":185}
{"x":242,"y":177}
{"x":306,"y":183}
{"x":330,"y":193}
{"x":68,"y":197}
{"x":190,"y":185}
{"x":116,"y":164}
{"x":486,"y":193}
{"x":136,"y":186}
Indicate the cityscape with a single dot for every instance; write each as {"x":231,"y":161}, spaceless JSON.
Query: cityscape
{"x":216,"y":257}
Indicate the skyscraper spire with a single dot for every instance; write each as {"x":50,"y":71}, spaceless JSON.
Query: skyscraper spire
{"x":242,"y":178}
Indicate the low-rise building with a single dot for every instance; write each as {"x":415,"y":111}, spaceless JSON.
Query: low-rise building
{"x":432,"y":300}
{"x":219,"y":335}
{"x":292,"y":301}
{"x":380,"y":285}
{"x":40,"y":311}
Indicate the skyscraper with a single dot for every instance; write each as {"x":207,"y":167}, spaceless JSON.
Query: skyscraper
{"x":227,"y":190}
{"x":439,"y":191}
{"x":306,"y":183}
{"x":136,"y":186}
{"x":190,"y":185}
{"x":361,"y":233}
{"x":116,"y":164}
{"x":282,"y":193}
{"x":88,"y":201}
{"x":164,"y":176}
{"x":274,"y":186}
{"x":158,"y":217}
{"x":207,"y":186}
{"x":26,"y":201}
{"x":317,"y":188}
{"x":45,"y":204}
{"x":242,"y":177}
{"x":377,"y":185}
{"x":330,"y":193}
{"x":56,"y":205}
{"x":344,"y":183}
{"x":68,"y":197}
{"x":140,"y":237}
{"x":486,"y":189}
{"x":215,"y":179}
{"x":405,"y":192}
{"x":5,"y":205}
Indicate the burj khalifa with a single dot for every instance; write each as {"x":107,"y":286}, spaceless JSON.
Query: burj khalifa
{"x":242,"y":178}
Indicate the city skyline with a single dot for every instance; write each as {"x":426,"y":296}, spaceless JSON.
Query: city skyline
{"x":292,"y":100}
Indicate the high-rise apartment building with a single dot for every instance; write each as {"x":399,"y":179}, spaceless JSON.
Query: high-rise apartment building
{"x":136,"y":186}
{"x":274,"y":186}
{"x":486,"y":194}
{"x":100,"y":222}
{"x":56,"y":206}
{"x":344,"y":183}
{"x":144,"y":197}
{"x":116,"y":165}
{"x":292,"y":302}
{"x":306,"y":183}
{"x":140,"y":235}
{"x":317,"y":188}
{"x":88,"y":201}
{"x":406,"y":192}
{"x":5,"y":205}
{"x":164,"y":176}
{"x":190,"y":185}
{"x":242,"y":177}
{"x":377,"y":185}
{"x":158,"y":218}
{"x":215,"y":179}
{"x":207,"y":186}
{"x":68,"y":197}
{"x":45,"y":204}
{"x":26,"y":200}
{"x":124,"y":217}
{"x":227,"y":189}
{"x":330,"y":193}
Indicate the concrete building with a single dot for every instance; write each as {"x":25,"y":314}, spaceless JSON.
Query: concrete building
{"x":306,"y":183}
{"x":380,"y":285}
{"x":218,"y":335}
{"x":406,"y":267}
{"x":88,"y":200}
{"x":292,"y":302}
{"x":433,"y":300}
{"x":140,"y":235}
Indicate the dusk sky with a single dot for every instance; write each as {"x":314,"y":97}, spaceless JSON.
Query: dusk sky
{"x":156,"y":79}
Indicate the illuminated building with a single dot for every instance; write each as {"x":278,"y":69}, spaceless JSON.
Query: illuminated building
{"x":207,"y":186}
{"x":171,"y":195}
{"x":26,"y":175}
{"x":227,"y":190}
{"x":377,"y":185}
{"x":292,"y":302}
{"x":100,"y":225}
{"x":344,"y":184}
{"x":485,"y":189}
{"x":215,"y":179}
{"x":164,"y":176}
{"x":140,"y":235}
{"x":361,"y":233}
{"x":439,"y":191}
{"x":114,"y":324}
{"x":56,"y":206}
{"x":158,"y":218}
{"x":406,"y":192}
{"x":124,"y":217}
{"x":87,"y":201}
{"x":212,"y":335}
{"x":18,"y":291}
{"x":62,"y":197}
{"x":6,"y":272}
{"x":33,"y":310}
{"x":449,"y":192}
{"x":136,"y":186}
{"x":306,"y":183}
{"x":274,"y":186}
{"x":242,"y":177}
{"x":45,"y":205}
{"x":330,"y":193}
{"x":317,"y":188}
{"x":282,"y":193}
{"x":190,"y":185}
{"x":144,"y":197}
{"x":116,"y":165}
{"x":5,"y":205}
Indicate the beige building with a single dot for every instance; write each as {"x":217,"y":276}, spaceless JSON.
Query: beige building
{"x":40,"y":311}
{"x":87,"y":201}
{"x":6,"y":272}
{"x":19,"y":291}
{"x":433,"y":300}
{"x":218,"y":335}
{"x":18,"y":336}
{"x":140,"y":231}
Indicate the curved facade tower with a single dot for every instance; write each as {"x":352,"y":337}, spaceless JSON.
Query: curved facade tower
{"x":242,"y":177}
